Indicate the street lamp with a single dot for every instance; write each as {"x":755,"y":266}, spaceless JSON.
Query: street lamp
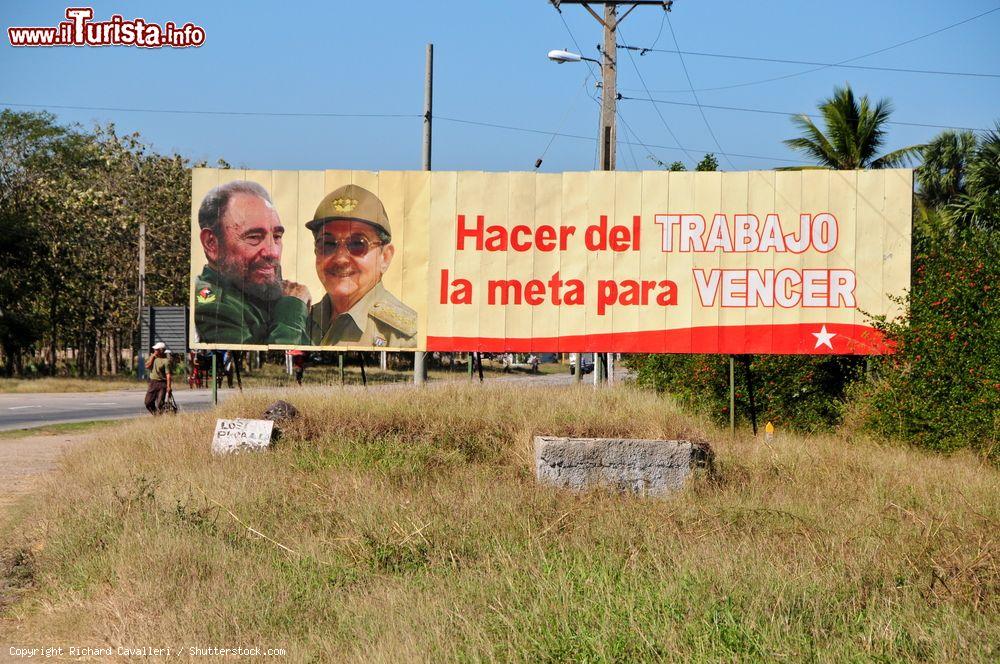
{"x":605,"y":138}
{"x":559,"y":57}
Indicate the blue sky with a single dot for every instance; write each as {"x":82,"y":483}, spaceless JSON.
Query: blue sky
{"x":368,"y":57}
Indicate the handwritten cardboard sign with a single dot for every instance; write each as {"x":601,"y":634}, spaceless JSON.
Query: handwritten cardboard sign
{"x":241,"y":435}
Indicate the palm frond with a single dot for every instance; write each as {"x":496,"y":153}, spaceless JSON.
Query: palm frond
{"x":900,"y":157}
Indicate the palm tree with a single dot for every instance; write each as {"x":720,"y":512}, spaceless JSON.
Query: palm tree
{"x":943,"y":172}
{"x":980,"y":205}
{"x":855,"y":133}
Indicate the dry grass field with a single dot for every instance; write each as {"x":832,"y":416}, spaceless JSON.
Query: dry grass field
{"x":405,"y":525}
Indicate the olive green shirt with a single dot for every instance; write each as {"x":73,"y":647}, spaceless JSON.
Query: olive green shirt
{"x":225,"y":314}
{"x":160,"y":369}
{"x":378,"y":320}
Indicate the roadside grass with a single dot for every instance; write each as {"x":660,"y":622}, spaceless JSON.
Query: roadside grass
{"x":57,"y":429}
{"x":56,"y":384}
{"x":405,"y":525}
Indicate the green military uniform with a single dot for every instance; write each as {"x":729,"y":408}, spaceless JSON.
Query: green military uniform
{"x":225,"y":314}
{"x":378,"y":319}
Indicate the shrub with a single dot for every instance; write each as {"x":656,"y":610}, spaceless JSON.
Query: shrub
{"x":941,"y":390}
{"x":793,"y":392}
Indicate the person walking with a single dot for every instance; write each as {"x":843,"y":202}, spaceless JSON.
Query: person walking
{"x":160,"y":372}
{"x":299,"y":365}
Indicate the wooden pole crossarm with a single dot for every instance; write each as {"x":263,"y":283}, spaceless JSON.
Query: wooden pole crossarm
{"x":596,"y":15}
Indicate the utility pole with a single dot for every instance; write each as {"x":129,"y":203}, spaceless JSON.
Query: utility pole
{"x":609,"y":87}
{"x":608,"y":133}
{"x":140,"y":370}
{"x":419,"y":367}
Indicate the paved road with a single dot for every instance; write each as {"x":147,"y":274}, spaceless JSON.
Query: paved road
{"x":20,"y":411}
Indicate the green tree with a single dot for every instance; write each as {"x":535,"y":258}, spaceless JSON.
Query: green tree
{"x":708,"y":163}
{"x":71,"y":203}
{"x":854,"y":136}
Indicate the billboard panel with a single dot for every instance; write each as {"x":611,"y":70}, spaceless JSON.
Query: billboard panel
{"x":738,"y":262}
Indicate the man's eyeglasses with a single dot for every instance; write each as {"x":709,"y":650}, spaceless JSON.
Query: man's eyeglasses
{"x":356,"y":245}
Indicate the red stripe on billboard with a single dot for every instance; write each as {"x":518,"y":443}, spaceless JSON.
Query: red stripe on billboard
{"x":799,"y":338}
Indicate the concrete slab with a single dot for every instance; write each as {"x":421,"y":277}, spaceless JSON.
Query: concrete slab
{"x":645,"y":467}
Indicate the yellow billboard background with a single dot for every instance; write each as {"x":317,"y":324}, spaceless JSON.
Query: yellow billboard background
{"x":872,"y":210}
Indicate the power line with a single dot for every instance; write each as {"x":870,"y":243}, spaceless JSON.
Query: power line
{"x":591,"y":138}
{"x":562,"y":122}
{"x":657,"y":109}
{"x":694,"y":94}
{"x":822,"y":65}
{"x":790,"y":113}
{"x":375,"y":115}
{"x":649,"y":153}
{"x":845,"y":61}
{"x":177,"y":111}
{"x":590,"y":67}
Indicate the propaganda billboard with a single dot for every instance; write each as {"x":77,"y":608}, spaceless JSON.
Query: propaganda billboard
{"x":789,"y":262}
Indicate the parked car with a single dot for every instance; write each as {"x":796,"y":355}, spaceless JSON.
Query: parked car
{"x":586,"y":365}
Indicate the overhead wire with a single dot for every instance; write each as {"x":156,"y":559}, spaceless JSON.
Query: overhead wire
{"x":590,"y":67}
{"x":846,"y":60}
{"x":694,"y":94}
{"x":728,"y":56}
{"x":562,"y":122}
{"x":656,"y":108}
{"x":465,"y":121}
{"x":790,"y":113}
{"x":591,"y":138}
{"x":177,"y":111}
{"x":649,"y":153}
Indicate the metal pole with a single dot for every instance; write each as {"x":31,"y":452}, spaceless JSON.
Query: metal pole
{"x":470,"y":365}
{"x":140,"y":370}
{"x":215,"y":384}
{"x":340,"y":362}
{"x":419,"y":366}
{"x":578,"y":370}
{"x":732,"y":397}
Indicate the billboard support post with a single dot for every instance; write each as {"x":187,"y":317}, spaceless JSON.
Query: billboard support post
{"x":140,"y":367}
{"x":215,"y":381}
{"x":732,"y":398}
{"x":419,"y":367}
{"x":340,"y":362}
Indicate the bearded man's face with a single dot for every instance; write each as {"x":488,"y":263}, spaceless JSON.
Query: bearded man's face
{"x":249,"y":254}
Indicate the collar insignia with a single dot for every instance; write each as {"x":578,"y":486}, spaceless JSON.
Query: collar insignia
{"x":206,"y":296}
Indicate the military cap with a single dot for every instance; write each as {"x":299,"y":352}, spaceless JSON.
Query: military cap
{"x":350,"y":203}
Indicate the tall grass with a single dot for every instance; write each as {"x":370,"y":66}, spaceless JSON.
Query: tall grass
{"x":405,"y":525}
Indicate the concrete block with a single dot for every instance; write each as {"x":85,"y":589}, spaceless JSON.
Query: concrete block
{"x":645,"y":467}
